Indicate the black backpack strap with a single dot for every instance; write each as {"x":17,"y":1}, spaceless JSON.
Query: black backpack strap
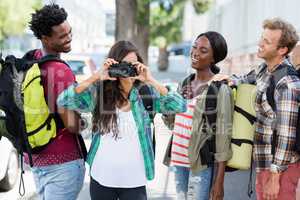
{"x":48,"y":58}
{"x":239,"y":142}
{"x":248,"y":116}
{"x":147,"y":98}
{"x":210,"y":113}
{"x":209,"y":120}
{"x":30,"y":59}
{"x":21,"y":184}
{"x":282,"y":71}
{"x":211,"y":104}
{"x":187,"y":80}
{"x":1,"y":60}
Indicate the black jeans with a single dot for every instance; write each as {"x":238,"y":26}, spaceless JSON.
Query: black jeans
{"x":99,"y":192}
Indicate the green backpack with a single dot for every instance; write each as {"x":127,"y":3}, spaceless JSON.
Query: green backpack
{"x":25,"y":118}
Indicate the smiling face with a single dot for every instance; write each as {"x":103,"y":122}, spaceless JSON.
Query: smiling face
{"x":60,"y":39}
{"x":201,"y":54}
{"x":268,"y":47}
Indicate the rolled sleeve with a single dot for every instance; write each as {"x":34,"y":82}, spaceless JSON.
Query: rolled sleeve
{"x":170,"y":103}
{"x":224,"y":124}
{"x":83,"y":102}
{"x":249,"y":78}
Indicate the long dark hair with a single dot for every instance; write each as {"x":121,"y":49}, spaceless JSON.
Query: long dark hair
{"x":109,"y":93}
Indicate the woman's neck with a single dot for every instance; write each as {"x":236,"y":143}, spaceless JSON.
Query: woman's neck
{"x":125,"y":91}
{"x":126,"y":88}
{"x":204,"y":75}
{"x":125,"y":107}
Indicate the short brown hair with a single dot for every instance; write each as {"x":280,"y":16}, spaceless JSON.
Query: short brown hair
{"x":289,"y":36}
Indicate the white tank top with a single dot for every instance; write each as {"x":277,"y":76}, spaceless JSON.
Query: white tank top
{"x":119,"y":162}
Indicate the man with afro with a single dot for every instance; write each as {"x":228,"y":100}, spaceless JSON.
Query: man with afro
{"x":58,"y":168}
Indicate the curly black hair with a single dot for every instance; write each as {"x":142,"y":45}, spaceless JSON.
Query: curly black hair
{"x":44,"y":19}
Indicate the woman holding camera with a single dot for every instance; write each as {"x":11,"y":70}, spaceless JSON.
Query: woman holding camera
{"x":121,"y":154}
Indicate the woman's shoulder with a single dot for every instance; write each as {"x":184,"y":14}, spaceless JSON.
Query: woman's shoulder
{"x":225,"y":89}
{"x":187,"y":80}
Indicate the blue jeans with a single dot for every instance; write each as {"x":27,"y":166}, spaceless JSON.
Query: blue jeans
{"x":59,"y":182}
{"x":192,"y":186}
{"x":181,"y":181}
{"x":199,"y":185}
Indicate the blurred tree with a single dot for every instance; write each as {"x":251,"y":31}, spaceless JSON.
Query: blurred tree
{"x":166,"y":25}
{"x":165,"y":28}
{"x":201,"y":6}
{"x":133,"y":23}
{"x":14,"y":15}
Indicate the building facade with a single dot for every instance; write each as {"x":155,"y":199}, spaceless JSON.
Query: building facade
{"x":240,"y":21}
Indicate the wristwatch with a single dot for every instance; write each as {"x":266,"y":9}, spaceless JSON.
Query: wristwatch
{"x":275,"y":169}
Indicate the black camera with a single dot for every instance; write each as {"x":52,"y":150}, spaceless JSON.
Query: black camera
{"x":122,"y":69}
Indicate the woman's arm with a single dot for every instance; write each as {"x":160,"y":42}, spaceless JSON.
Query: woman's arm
{"x":165,"y":101}
{"x":81,"y":97}
{"x":249,"y":78}
{"x":169,"y":119}
{"x":158,"y":86}
{"x":87,"y":83}
{"x":145,"y":75}
{"x":168,"y":104}
{"x":217,"y":191}
{"x":223,"y":139}
{"x":99,"y":76}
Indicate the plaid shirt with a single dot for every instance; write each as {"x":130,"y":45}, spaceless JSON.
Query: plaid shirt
{"x":284,"y":120}
{"x":85,"y":102}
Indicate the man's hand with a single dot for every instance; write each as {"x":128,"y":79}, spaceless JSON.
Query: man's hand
{"x":217,"y":191}
{"x":272,"y":186}
{"x":222,"y":77}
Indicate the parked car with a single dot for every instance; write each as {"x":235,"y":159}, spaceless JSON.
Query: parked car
{"x":179,"y":58}
{"x":82,"y":66}
{"x":9,"y":165}
{"x":182,"y":48}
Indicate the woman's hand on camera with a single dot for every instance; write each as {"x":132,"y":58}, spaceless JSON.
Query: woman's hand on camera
{"x":143,"y":71}
{"x":103,"y":72}
{"x":145,"y":76}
